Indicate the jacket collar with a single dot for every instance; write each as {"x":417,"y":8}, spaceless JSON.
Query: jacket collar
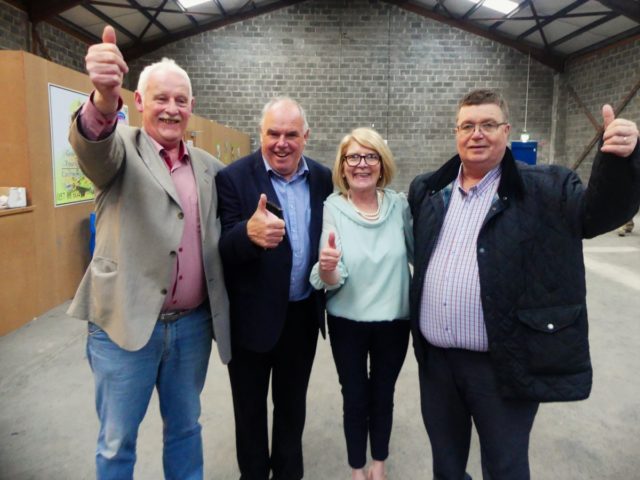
{"x":510,"y":182}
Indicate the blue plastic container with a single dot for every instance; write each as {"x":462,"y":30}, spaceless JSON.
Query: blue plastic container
{"x":92,"y":232}
{"x":526,"y":152}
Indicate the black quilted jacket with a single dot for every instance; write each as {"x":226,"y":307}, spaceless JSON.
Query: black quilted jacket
{"x":530,"y":264}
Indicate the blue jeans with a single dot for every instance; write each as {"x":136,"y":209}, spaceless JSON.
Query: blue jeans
{"x":174,"y":361}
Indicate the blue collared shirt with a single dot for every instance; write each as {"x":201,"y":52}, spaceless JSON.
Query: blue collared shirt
{"x":293,"y":196}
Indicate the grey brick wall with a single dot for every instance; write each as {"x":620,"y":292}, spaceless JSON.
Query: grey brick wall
{"x":600,"y":79}
{"x":363,"y":62}
{"x":13,"y":28}
{"x":358,"y":63}
{"x":60,"y":47}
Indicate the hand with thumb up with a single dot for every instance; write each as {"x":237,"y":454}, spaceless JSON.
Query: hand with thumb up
{"x":620,"y":136}
{"x":329,"y":255}
{"x":106,"y":68}
{"x":264,"y":228}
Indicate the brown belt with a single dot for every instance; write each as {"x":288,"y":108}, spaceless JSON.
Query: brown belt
{"x":170,"y":317}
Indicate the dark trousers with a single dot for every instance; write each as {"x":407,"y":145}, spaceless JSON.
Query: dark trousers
{"x":289,"y":364}
{"x":457,"y":386}
{"x":367,"y":391}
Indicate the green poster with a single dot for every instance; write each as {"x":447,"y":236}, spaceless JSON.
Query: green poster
{"x":69,"y":183}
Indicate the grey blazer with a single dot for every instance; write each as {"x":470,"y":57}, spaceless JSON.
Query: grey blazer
{"x":138,"y":227}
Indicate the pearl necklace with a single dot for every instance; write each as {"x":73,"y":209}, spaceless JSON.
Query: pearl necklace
{"x":366,"y":215}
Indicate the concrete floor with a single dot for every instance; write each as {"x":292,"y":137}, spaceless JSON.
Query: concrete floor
{"x":48,"y":424}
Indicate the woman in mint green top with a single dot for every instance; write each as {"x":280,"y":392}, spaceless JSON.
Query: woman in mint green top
{"x":366,"y":246}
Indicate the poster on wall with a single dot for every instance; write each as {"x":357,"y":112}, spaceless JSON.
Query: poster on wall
{"x":69,"y":183}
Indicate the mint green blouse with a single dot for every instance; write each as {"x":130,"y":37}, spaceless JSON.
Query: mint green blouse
{"x":374,"y":266}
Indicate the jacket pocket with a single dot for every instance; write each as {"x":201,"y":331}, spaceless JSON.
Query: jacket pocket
{"x":555,"y":339}
{"x":104,"y":274}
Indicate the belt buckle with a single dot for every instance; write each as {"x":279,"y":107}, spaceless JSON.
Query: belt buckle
{"x":170,"y":317}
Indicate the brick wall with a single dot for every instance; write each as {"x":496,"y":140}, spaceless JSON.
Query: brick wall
{"x":13,"y":28}
{"x":362,"y":62}
{"x":59,"y":47}
{"x":599,"y":79}
{"x":358,"y":63}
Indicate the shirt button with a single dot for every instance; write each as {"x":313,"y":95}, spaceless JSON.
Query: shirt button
{"x":172,"y":253}
{"x":163,"y":291}
{"x":180,"y":277}
{"x":481,"y":250}
{"x":180,"y":249}
{"x":550,"y":326}
{"x":180,"y":215}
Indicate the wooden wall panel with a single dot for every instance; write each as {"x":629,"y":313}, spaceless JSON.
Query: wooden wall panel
{"x":222,"y":142}
{"x":14,"y":172}
{"x":46,"y":248}
{"x":17,"y":302}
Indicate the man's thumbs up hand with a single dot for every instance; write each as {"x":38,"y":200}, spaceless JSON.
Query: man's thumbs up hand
{"x":620,"y":136}
{"x":106,"y":68}
{"x":264,"y":228}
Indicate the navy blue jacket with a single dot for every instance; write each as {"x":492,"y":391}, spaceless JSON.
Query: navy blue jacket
{"x":530,"y":264}
{"x":257,"y":280}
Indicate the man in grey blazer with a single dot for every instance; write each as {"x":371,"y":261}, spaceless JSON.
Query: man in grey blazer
{"x":153,"y":294}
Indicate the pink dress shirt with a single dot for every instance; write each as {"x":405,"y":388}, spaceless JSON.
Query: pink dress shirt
{"x":187,"y":288}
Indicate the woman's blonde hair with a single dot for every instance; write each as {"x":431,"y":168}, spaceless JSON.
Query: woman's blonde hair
{"x":369,"y":138}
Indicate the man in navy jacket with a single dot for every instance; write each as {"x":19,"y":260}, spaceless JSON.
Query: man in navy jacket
{"x":270,"y":205}
{"x":498,"y":299}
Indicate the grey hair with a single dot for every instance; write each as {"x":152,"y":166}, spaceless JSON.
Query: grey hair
{"x":164,"y":64}
{"x":271,"y":103}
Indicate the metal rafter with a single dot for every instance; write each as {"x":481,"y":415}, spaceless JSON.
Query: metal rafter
{"x":440,"y":5}
{"x":190,"y":17}
{"x":219,"y":5}
{"x":511,"y":14}
{"x":541,"y":56}
{"x":472,"y":10}
{"x":39,"y":11}
{"x":624,"y":7}
{"x":108,"y":20}
{"x":552,"y":18}
{"x":146,"y":47}
{"x":159,"y":9}
{"x":541,"y":17}
{"x":152,"y":22}
{"x":610,"y":16}
{"x":152,"y":18}
{"x":628,"y":35}
{"x":544,"y":37}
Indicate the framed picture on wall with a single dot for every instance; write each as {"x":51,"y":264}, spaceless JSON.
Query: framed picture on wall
{"x":69,"y":183}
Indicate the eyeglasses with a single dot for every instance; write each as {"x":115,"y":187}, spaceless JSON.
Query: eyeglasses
{"x":487,"y":128}
{"x":354,"y":159}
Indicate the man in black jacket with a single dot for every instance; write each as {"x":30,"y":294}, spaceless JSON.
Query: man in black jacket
{"x":498,"y":306}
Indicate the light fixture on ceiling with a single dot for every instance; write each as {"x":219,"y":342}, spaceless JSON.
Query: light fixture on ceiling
{"x":186,"y":4}
{"x":502,"y":6}
{"x":524,"y":136}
